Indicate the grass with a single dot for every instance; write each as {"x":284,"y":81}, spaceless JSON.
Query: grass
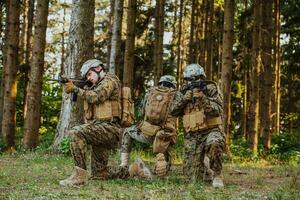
{"x":35,"y":175}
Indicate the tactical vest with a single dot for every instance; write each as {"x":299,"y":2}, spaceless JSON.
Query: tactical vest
{"x":108,"y":109}
{"x":195,"y":119}
{"x":156,"y":110}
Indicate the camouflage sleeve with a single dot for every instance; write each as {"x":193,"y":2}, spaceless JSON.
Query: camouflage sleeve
{"x":177,"y":105}
{"x":100,"y":93}
{"x":142,"y":105}
{"x":213,"y":101}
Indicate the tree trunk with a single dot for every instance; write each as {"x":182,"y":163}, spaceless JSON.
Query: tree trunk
{"x":129,"y":46}
{"x":63,"y":33}
{"x":2,"y":7}
{"x":267,"y":29}
{"x":179,"y":65}
{"x":27,"y":50}
{"x":10,"y":73}
{"x":253,"y":117}
{"x":276,"y":61}
{"x":209,"y":39}
{"x":227,"y":57}
{"x":80,"y":46}
{"x":34,"y":94}
{"x":159,"y":35}
{"x":116,"y":36}
{"x":192,"y":55}
{"x":110,"y":30}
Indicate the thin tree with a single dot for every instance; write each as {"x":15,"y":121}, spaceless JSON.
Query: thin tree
{"x":226,"y":76}
{"x":158,"y":43}
{"x":192,"y":56}
{"x":34,"y":94}
{"x":81,"y":41}
{"x":110,"y":29}
{"x":179,"y":63}
{"x":129,"y":45}
{"x":209,"y":37}
{"x":116,"y":35}
{"x":276,"y":61}
{"x":10,"y":73}
{"x":253,"y":115}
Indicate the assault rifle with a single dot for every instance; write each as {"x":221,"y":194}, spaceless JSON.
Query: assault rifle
{"x":200,"y":84}
{"x":78,"y":82}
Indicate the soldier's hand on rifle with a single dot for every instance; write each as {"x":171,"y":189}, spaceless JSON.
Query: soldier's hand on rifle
{"x":198,"y":94}
{"x":69,"y":87}
{"x":188,"y":96}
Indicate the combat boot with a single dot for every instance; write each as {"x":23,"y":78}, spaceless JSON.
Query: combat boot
{"x":102,"y":174}
{"x":208,"y":172}
{"x":218,"y":182}
{"x":78,"y":177}
{"x":138,"y":168}
{"x":161,"y":165}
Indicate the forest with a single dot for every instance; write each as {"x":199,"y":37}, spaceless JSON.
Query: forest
{"x":250,"y":48}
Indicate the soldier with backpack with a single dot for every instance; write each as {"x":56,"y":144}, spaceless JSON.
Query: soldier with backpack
{"x":157,"y":126}
{"x":103,"y":112}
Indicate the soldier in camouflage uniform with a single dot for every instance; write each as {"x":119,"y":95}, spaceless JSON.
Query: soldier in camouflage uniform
{"x":157,"y":126}
{"x":101,"y":129}
{"x":202,"y":108}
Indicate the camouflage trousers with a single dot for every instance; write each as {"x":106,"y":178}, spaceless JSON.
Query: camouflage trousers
{"x":133,"y":133}
{"x":197,"y":145}
{"x":101,"y":135}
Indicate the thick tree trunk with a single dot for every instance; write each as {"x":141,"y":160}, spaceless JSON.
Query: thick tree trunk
{"x":116,"y":36}
{"x":129,"y":46}
{"x":34,"y":93}
{"x":27,"y":50}
{"x":253,"y":117}
{"x":159,"y":36}
{"x":227,"y":57}
{"x":267,"y":29}
{"x":79,"y":50}
{"x":10,"y":73}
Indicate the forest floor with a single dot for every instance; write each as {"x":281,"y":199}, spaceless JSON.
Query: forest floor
{"x":35,"y":175}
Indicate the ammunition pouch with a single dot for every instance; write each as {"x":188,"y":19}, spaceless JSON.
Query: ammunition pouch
{"x":197,"y":121}
{"x":148,"y":129}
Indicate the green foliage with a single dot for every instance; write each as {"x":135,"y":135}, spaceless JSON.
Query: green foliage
{"x":65,"y":147}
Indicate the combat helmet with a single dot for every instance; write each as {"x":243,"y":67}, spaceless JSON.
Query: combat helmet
{"x":88,"y":65}
{"x":193,"y":70}
{"x":168,"y":79}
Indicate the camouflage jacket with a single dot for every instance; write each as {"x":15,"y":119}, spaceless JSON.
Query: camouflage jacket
{"x":211,"y":101}
{"x":107,"y":89}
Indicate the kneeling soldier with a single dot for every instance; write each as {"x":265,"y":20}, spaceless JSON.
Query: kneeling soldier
{"x":204,"y":140}
{"x":102,"y":115}
{"x":157,"y":126}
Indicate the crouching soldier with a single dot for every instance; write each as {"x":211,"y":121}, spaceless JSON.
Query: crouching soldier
{"x":157,"y":126}
{"x":101,"y":128}
{"x":204,"y":140}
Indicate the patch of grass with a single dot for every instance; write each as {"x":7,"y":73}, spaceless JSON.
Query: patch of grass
{"x":35,"y":175}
